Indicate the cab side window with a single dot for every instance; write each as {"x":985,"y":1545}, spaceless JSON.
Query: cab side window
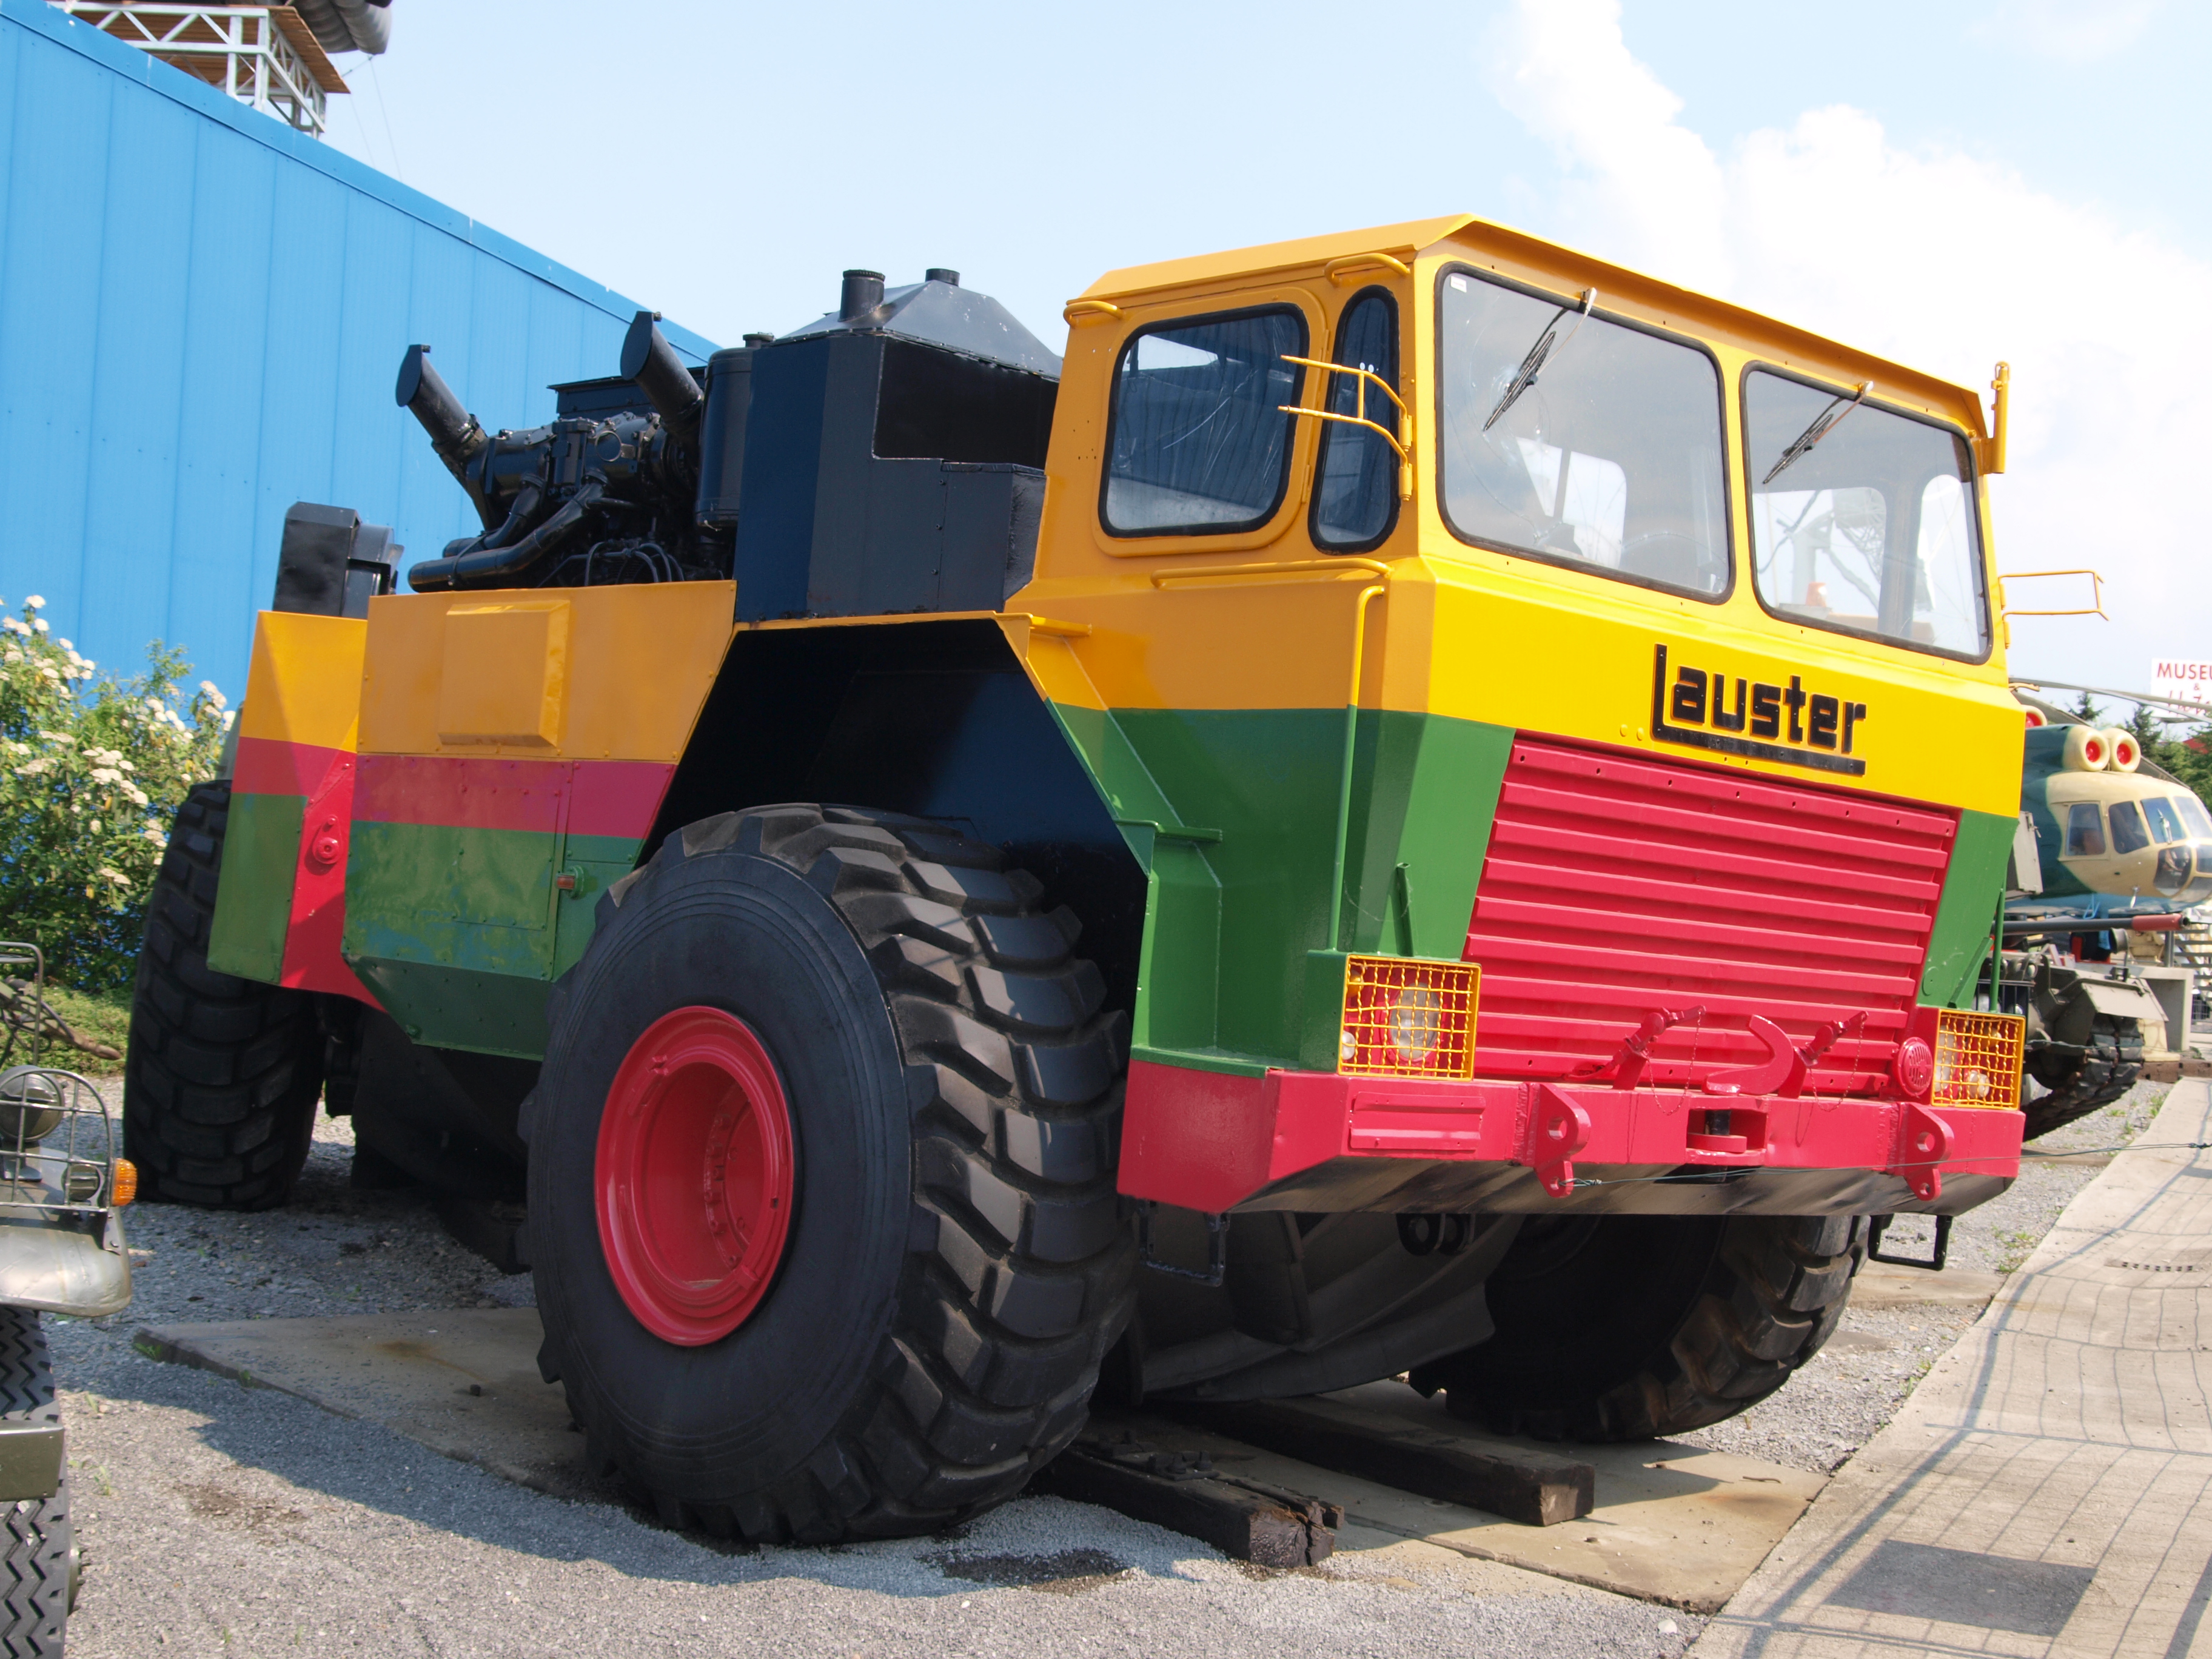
{"x":1198,"y":442}
{"x":2127,"y":835}
{"x":1356,"y":480}
{"x":2085,"y":832}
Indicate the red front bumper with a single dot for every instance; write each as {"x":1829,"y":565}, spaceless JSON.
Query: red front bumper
{"x":1212,"y":1141}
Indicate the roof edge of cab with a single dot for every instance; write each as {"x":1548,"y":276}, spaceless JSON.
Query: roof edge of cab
{"x":1408,"y":238}
{"x":1787,"y":344}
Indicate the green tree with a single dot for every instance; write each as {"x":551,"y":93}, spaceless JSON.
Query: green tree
{"x":96,"y":770}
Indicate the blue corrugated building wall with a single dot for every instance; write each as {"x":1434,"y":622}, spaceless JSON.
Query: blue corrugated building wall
{"x":202,"y":314}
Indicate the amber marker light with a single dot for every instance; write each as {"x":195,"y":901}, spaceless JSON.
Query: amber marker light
{"x":125,"y":1186}
{"x":1407,"y":1018}
{"x":1978,"y":1060}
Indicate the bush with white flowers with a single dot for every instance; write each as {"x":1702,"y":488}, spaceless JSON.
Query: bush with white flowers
{"x":94,"y":771}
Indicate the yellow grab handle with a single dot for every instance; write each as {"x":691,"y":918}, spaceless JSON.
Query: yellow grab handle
{"x":1344,"y":268}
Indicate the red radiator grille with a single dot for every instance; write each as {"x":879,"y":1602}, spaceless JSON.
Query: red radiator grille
{"x":1616,"y":885}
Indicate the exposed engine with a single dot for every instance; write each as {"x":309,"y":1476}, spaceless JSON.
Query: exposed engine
{"x":586,"y":499}
{"x":894,"y":447}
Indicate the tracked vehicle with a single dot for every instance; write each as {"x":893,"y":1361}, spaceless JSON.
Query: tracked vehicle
{"x":1419,"y":803}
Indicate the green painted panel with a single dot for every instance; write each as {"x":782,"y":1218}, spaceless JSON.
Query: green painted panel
{"x":1200,"y":1060}
{"x":1973,"y":887}
{"x":576,"y":911}
{"x":1231,"y":920}
{"x":253,"y":893}
{"x":1425,"y":792}
{"x":1322,"y":1008}
{"x":469,"y":898}
{"x":458,"y":1008}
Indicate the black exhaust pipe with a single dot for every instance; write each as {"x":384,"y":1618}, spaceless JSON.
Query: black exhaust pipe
{"x":862,"y":293}
{"x":454,"y":432}
{"x":651,"y":362}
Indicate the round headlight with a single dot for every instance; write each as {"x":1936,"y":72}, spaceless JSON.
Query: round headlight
{"x":1417,"y":1025}
{"x":30,"y":1106}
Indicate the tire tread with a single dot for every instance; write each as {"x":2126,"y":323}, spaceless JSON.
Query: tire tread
{"x":1021,"y":1273}
{"x":222,"y":1073}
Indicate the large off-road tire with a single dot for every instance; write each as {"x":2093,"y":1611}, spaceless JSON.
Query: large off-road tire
{"x":35,"y":1554}
{"x":2082,"y":1080}
{"x":1624,"y":1328}
{"x":874,"y":1008}
{"x":221,"y":1082}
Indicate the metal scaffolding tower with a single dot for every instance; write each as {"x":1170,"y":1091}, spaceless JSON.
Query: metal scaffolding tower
{"x":264,"y":56}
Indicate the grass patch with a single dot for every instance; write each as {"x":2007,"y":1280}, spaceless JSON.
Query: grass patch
{"x":104,"y":1016}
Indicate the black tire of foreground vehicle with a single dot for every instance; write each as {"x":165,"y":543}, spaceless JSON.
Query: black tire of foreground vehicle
{"x":223,"y":1076}
{"x":2081,"y":1082}
{"x":1625,"y":1328}
{"x":35,"y":1570}
{"x":956,"y":1264}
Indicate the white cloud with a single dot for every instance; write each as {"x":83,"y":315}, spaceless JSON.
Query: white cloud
{"x":2069,"y":31}
{"x":1935,"y":258}
{"x":1562,"y":68}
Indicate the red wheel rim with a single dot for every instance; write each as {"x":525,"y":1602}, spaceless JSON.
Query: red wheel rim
{"x":694,"y":1176}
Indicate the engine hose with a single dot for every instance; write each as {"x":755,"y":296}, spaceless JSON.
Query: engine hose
{"x":470,"y":569}
{"x":526,"y":501}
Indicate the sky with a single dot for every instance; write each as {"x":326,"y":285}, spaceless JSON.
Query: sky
{"x":1944,"y":185}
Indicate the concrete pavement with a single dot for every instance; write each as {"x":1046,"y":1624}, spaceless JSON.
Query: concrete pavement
{"x":2047,"y":1489}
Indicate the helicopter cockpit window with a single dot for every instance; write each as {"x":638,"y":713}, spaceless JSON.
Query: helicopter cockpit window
{"x":2165,"y":822}
{"x":2085,"y":830}
{"x":2127,"y":835}
{"x":1862,"y":517}
{"x":1572,"y":438}
{"x":1200,"y":442}
{"x":2194,"y":815}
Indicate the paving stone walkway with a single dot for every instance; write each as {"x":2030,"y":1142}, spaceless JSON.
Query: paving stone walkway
{"x":2047,"y":1489}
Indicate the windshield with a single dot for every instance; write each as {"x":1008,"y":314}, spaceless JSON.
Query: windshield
{"x":1869,"y":527}
{"x":1598,"y":449}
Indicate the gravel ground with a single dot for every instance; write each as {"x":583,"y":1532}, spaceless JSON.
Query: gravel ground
{"x":330,"y":1250}
{"x":219,"y":1519}
{"x":1855,"y":1383}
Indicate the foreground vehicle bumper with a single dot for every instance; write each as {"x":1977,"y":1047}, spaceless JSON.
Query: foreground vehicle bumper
{"x":1312,"y":1140}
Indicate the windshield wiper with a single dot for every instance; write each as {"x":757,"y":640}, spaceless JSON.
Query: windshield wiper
{"x":1823,"y":423}
{"x":1539,"y":355}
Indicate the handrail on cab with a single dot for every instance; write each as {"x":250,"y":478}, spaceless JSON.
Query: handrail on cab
{"x":1400,"y":442}
{"x":1345,"y":267}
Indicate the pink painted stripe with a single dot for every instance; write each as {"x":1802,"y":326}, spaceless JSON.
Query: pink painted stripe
{"x":602,"y":798}
{"x":270,"y":766}
{"x":619,"y":798}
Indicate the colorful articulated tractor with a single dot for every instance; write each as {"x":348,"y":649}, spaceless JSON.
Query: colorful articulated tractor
{"x":1420,"y":803}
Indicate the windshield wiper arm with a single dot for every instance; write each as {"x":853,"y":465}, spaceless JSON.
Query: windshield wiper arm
{"x":1823,"y":423}
{"x":1539,"y":355}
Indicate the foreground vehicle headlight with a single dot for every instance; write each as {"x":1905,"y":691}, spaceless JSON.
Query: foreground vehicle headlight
{"x":1404,"y":1016}
{"x":30,"y":1107}
{"x":1416,"y":1026}
{"x":1978,"y":1059}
